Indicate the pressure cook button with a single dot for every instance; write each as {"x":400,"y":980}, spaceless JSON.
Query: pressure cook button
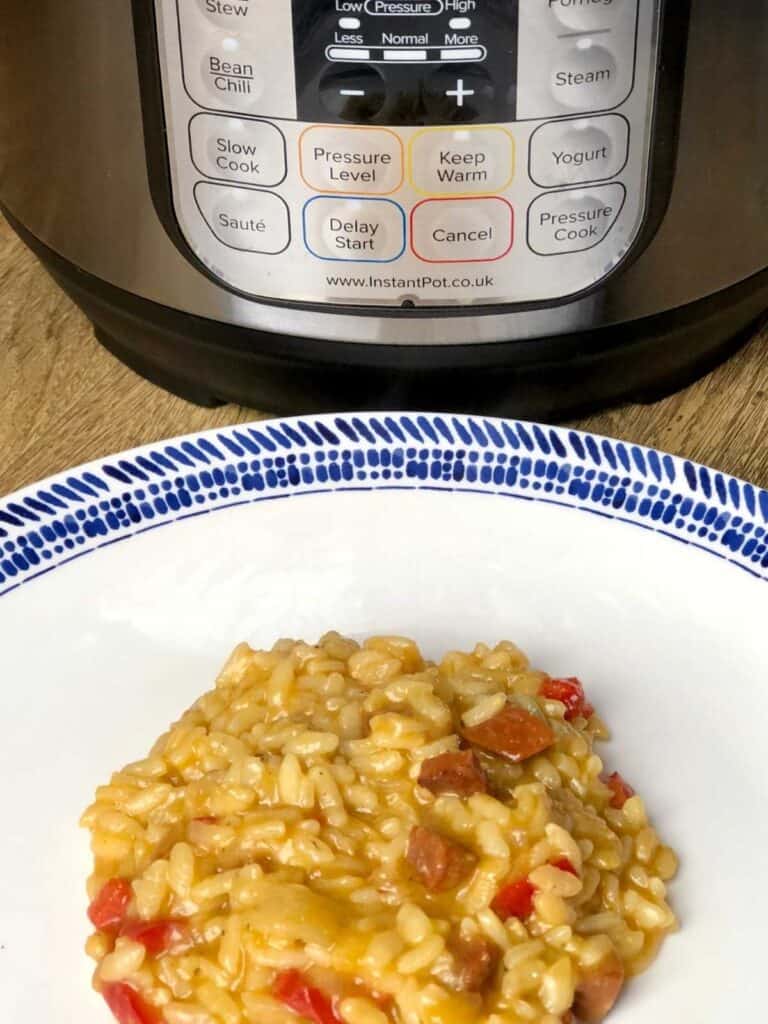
{"x":363,"y":161}
{"x":230,"y":75}
{"x":587,"y":15}
{"x":459,"y":93}
{"x":585,"y":77}
{"x":243,"y":218}
{"x":573,"y":221}
{"x":462,"y":230}
{"x":353,"y":93}
{"x":572,"y":152}
{"x":252,"y":152}
{"x":358,"y":230}
{"x":462,"y":161}
{"x":232,"y":14}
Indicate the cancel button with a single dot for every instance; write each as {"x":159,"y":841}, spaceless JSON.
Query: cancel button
{"x":462,"y":230}
{"x":573,"y":221}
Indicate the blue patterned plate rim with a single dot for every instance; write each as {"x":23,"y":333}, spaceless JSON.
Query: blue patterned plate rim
{"x":74,"y":513}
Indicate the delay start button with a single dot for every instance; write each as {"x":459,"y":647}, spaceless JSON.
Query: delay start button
{"x":573,"y":221}
{"x":354,"y":230}
{"x":462,"y":230}
{"x":244,"y":218}
{"x":359,"y":161}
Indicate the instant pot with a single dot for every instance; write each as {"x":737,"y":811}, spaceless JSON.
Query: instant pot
{"x":520,"y":206}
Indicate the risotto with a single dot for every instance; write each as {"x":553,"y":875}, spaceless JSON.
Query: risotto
{"x":350,"y":834}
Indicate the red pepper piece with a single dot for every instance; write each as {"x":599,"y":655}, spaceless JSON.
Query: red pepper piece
{"x":128,"y":1007}
{"x":292,"y":989}
{"x":569,"y":692}
{"x":514,"y":900}
{"x":107,"y":911}
{"x":620,"y":789}
{"x":563,"y":864}
{"x":157,"y":937}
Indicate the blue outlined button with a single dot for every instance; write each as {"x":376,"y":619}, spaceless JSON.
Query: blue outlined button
{"x":354,"y":230}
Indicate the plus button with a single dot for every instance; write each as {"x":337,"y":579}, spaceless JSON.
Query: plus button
{"x":459,"y":92}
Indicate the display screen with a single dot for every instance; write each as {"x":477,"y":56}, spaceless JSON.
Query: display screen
{"x":406,"y":62}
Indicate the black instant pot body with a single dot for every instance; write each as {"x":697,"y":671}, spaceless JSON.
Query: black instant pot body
{"x":531,"y":207}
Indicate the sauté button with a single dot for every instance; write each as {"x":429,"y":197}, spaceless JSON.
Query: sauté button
{"x":230,"y":75}
{"x":354,"y":230}
{"x":237,"y":149}
{"x":462,"y":161}
{"x":587,"y":15}
{"x":243,"y":218}
{"x":353,"y":93}
{"x":232,"y":14}
{"x":585,"y":77}
{"x":360,"y":161}
{"x":462,"y":230}
{"x":572,"y":152}
{"x":573,"y":221}
{"x":456,"y":93}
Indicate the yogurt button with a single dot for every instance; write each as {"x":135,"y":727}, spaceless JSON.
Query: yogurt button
{"x":572,"y":152}
{"x":573,"y":221}
{"x":587,"y":15}
{"x":462,"y":230}
{"x":243,"y":218}
{"x":230,"y":77}
{"x":585,"y":77}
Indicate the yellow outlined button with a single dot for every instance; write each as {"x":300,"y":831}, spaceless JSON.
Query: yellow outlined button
{"x":472,"y":160}
{"x":351,"y":160}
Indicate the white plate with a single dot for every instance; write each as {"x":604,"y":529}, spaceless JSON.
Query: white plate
{"x":641,"y":573}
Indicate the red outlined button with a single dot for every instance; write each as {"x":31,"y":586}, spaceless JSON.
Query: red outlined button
{"x":462,"y":230}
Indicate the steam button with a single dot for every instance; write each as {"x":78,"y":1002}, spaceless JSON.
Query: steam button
{"x":585,"y":77}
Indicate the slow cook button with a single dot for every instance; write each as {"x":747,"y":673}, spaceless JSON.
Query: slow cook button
{"x":462,"y":230}
{"x":573,"y":152}
{"x":230,"y":76}
{"x":564,"y":222}
{"x":585,"y":77}
{"x":587,"y":15}
{"x":252,"y":152}
{"x":462,"y":161}
{"x":362,"y":161}
{"x":243,"y":218}
{"x":356,"y":230}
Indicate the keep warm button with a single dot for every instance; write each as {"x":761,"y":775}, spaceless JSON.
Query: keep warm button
{"x":573,"y":221}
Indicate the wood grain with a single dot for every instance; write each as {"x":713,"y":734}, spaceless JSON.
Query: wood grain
{"x":66,"y":401}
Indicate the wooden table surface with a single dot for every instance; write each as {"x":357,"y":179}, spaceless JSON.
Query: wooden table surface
{"x":64,"y":400}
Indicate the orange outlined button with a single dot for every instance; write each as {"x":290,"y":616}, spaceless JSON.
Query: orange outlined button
{"x":461,"y":161}
{"x":462,"y":230}
{"x":351,"y":160}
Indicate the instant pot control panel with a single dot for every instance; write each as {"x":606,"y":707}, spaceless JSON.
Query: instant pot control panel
{"x":426,"y":152}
